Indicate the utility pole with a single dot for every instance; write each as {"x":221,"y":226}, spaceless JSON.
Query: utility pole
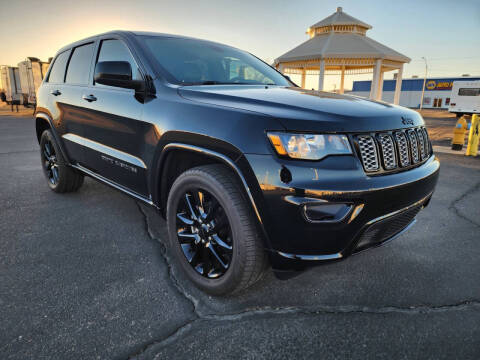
{"x":424,"y":82}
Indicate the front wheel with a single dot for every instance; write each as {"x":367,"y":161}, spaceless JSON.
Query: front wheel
{"x":212,"y":231}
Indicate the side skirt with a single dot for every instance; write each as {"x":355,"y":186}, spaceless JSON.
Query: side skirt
{"x":113,"y":184}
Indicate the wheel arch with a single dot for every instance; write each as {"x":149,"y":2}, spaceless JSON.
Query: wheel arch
{"x":43,"y":122}
{"x":163,"y":182}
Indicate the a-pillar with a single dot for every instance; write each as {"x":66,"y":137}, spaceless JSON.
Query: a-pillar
{"x":321,"y":76}
{"x":398,"y":86}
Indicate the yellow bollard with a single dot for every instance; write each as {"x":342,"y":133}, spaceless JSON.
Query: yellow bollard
{"x":459,"y":133}
{"x":473,"y":136}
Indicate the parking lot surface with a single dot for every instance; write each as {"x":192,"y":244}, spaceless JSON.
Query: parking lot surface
{"x":87,"y":275}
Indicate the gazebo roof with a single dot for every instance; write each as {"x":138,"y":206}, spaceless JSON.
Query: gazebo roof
{"x":340,"y":36}
{"x":340,"y":18}
{"x":341,"y":45}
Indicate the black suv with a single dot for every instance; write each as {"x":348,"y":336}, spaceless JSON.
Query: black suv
{"x":247,"y":168}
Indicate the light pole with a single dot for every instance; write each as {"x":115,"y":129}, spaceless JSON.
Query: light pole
{"x":424,"y":81}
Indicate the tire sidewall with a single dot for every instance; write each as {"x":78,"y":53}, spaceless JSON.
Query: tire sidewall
{"x":202,"y":180}
{"x":47,"y":136}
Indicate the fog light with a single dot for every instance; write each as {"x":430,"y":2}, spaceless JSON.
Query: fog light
{"x":326,"y":212}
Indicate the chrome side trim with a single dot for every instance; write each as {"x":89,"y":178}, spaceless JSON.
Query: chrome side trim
{"x":335,"y":256}
{"x":105,"y":149}
{"x":299,"y":200}
{"x":113,"y":184}
{"x":227,"y":161}
{"x":398,"y":211}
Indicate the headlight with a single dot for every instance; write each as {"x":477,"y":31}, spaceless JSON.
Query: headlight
{"x":309,"y":146}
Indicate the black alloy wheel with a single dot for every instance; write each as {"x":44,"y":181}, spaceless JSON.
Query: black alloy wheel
{"x":50,"y":162}
{"x":204,"y":233}
{"x":213,"y":235}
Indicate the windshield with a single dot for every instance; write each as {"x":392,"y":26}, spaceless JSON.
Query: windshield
{"x":198,"y":62}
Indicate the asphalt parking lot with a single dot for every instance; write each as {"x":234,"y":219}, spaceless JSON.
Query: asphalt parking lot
{"x":86,"y":275}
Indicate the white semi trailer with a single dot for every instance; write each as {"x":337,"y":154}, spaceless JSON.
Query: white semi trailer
{"x":465,"y":98}
{"x":32,"y":71}
{"x":11,"y":82}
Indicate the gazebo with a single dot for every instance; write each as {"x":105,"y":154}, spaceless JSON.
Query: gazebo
{"x":338,"y":45}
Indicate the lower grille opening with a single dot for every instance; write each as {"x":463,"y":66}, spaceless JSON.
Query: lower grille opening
{"x":385,"y":229}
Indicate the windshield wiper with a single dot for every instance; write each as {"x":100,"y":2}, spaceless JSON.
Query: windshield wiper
{"x":214,"y":82}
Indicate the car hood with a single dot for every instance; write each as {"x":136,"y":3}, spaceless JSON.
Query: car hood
{"x":307,"y":110}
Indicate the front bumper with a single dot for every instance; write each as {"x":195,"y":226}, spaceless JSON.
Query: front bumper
{"x":367,"y":211}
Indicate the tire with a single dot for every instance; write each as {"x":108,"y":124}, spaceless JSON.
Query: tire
{"x":60,"y":177}
{"x":246,"y":258}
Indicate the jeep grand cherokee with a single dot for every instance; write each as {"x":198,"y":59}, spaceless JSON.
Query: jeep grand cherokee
{"x":247,"y":168}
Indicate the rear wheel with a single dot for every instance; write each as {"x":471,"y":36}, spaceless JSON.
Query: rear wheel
{"x":212,"y":232}
{"x":60,"y":177}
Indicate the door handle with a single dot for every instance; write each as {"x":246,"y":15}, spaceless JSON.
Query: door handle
{"x":55,"y":92}
{"x":89,"y":98}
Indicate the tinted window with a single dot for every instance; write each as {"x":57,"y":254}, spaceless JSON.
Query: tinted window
{"x":202,"y":62}
{"x":58,"y":68}
{"x":469,"y":92}
{"x":116,"y":50}
{"x":79,"y":65}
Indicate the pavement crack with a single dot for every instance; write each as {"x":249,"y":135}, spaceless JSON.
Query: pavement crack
{"x":18,"y":152}
{"x":346,"y":309}
{"x":182,"y":330}
{"x":456,"y":211}
{"x":173,"y":279}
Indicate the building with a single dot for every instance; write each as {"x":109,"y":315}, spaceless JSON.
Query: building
{"x":339,"y":45}
{"x":437,"y":91}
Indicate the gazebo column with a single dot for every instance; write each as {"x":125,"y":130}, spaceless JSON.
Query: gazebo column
{"x":281,"y":68}
{"x":398,"y":86}
{"x":321,"y":76}
{"x":304,"y":75}
{"x":376,"y":76}
{"x":380,"y":86}
{"x":342,"y":80}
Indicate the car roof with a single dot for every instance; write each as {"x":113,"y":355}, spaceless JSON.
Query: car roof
{"x":125,"y":33}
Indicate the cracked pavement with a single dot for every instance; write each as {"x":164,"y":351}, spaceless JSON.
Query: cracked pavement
{"x":88,"y":275}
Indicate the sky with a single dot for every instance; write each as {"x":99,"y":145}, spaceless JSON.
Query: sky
{"x":445,"y":32}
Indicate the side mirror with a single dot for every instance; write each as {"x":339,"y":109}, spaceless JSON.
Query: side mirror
{"x":116,"y":73}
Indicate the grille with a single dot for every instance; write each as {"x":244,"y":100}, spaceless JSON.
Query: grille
{"x":427,"y":141}
{"x":390,"y":150}
{"x":412,"y":137}
{"x":402,"y":148}
{"x":368,"y":152}
{"x":385,"y":229}
{"x":421,"y":142}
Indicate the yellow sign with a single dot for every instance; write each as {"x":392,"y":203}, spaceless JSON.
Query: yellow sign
{"x":440,"y":85}
{"x":431,"y":84}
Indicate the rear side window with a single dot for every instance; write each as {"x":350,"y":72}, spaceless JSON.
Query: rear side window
{"x":79,"y":66}
{"x":57,"y":74}
{"x":116,"y":50}
{"x":469,"y":92}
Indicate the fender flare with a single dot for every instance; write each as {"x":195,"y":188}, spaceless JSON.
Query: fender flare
{"x":45,"y":116}
{"x":225,"y":160}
